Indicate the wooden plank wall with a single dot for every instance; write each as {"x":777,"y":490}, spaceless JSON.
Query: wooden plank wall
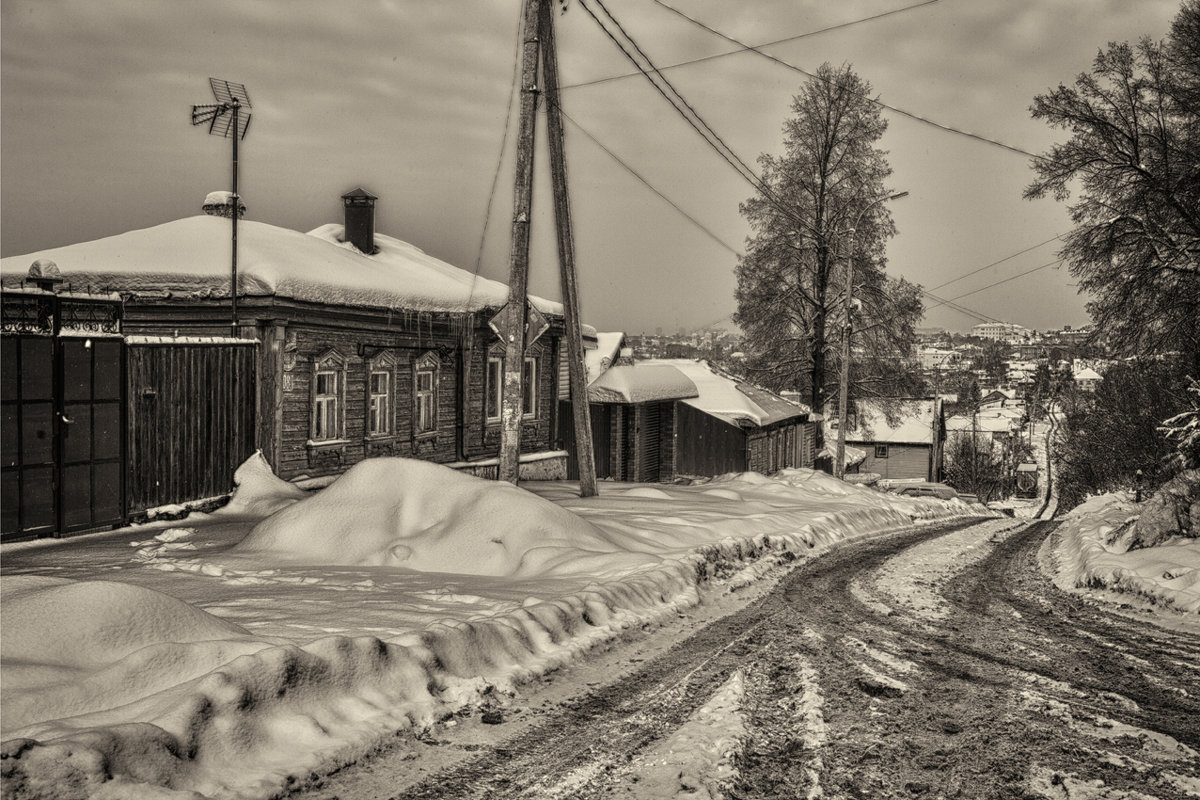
{"x":707,"y":446}
{"x":191,"y":420}
{"x":903,"y":461}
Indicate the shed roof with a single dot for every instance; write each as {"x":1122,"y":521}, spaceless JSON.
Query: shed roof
{"x":640,"y":384}
{"x":733,"y":401}
{"x":189,"y":258}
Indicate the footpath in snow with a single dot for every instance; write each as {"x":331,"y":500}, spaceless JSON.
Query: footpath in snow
{"x":227,"y":654}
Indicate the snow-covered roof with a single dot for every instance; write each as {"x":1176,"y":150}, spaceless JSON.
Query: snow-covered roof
{"x":731,"y":400}
{"x":981,"y":422}
{"x":190,"y":258}
{"x":910,"y":420}
{"x":640,"y":383}
{"x":604,"y":355}
{"x":1087,"y":374}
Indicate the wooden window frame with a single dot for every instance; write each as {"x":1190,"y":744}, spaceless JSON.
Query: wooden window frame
{"x":529,"y":386}
{"x":331,"y":362}
{"x":493,"y":389}
{"x":881,"y":451}
{"x":382,"y":364}
{"x":428,"y":364}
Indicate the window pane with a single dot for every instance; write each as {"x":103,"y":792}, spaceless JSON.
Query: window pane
{"x":493,"y":389}
{"x":37,"y":363}
{"x":379,"y":383}
{"x":108,"y":369}
{"x":529,"y":389}
{"x":324,"y":383}
{"x":77,"y":370}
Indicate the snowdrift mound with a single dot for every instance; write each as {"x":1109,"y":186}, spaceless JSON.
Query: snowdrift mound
{"x":75,"y":647}
{"x":258,"y":491}
{"x":401,"y":512}
{"x":1091,"y":552}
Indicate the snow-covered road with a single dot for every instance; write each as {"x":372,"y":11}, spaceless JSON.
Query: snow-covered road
{"x":936,"y":663}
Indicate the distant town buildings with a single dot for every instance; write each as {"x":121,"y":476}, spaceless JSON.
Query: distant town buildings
{"x":1006,"y":332}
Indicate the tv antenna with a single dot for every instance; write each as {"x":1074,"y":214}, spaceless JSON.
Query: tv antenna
{"x":229,"y":117}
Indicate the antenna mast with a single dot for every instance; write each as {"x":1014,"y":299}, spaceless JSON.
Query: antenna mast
{"x":225,"y":119}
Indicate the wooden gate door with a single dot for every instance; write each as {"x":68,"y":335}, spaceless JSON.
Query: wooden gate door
{"x":90,"y":435}
{"x":63,"y":424}
{"x":29,"y":471}
{"x":649,"y":458}
{"x":62,"y":428}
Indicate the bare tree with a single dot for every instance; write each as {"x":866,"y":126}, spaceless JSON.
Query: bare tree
{"x":791,"y":280}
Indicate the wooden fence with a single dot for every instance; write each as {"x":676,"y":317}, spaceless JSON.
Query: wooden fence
{"x":191,"y":412}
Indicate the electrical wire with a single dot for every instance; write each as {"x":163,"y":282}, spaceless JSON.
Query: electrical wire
{"x":1001,"y":261}
{"x":1055,"y":263}
{"x":672,"y":96}
{"x":640,"y":178}
{"x":797,"y":37}
{"x":512,"y":91}
{"x":910,"y":114}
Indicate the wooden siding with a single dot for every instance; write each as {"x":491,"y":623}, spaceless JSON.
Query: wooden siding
{"x":295,"y":335}
{"x":706,"y":445}
{"x":904,"y":461}
{"x":191,"y":412}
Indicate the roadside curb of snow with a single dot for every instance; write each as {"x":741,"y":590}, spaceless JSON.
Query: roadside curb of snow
{"x":1075,"y":558}
{"x":269,"y":720}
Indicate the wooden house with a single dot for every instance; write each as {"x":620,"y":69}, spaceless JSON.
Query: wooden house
{"x":902,"y":438}
{"x":343,"y":349}
{"x":656,"y":420}
{"x":735,"y":426}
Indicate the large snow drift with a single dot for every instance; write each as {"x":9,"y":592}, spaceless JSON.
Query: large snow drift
{"x":289,"y":632}
{"x":399,"y":512}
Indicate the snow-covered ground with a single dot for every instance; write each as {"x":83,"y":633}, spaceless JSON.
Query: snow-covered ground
{"x":1086,"y":555}
{"x":288,"y":632}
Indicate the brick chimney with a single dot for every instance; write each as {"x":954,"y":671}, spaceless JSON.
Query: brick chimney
{"x":360,"y":219}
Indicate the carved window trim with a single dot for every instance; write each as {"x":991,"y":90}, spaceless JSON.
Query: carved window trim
{"x":383,"y":364}
{"x":327,"y":400}
{"x":426,"y":377}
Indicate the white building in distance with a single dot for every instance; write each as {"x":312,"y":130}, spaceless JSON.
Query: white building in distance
{"x":1007,"y":332}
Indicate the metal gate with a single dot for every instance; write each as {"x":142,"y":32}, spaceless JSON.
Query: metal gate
{"x":63,"y":425}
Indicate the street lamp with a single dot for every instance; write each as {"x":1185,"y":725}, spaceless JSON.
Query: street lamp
{"x":839,"y":464}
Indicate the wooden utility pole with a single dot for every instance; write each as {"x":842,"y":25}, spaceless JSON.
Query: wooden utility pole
{"x":566,"y":257}
{"x":518,"y":261}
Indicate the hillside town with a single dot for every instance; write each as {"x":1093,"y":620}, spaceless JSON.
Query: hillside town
{"x":351,"y":481}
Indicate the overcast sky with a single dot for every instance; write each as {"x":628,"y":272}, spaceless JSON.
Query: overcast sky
{"x":409,"y":98}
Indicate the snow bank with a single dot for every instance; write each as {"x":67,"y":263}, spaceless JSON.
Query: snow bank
{"x":286,"y":634}
{"x":1091,"y":552}
{"x":258,"y":491}
{"x":400,"y":512}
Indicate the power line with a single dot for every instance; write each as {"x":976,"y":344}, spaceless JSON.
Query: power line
{"x":715,"y":56}
{"x":624,"y":165}
{"x":1001,"y":261}
{"x":956,"y":307}
{"x":690,"y":115}
{"x":1006,"y":280}
{"x":880,"y":103}
{"x":508,"y":108}
{"x":717,"y":144}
